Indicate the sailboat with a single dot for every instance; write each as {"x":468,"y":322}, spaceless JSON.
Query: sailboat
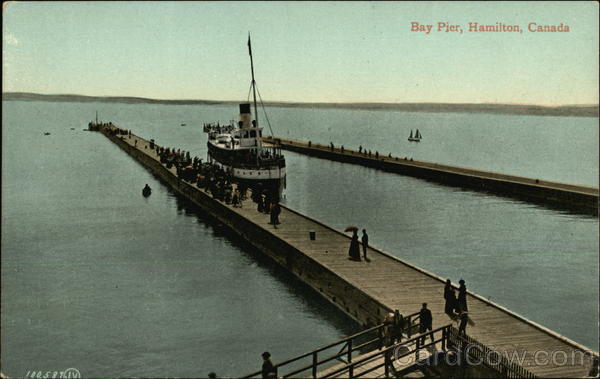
{"x":237,"y":148}
{"x":417,"y":136}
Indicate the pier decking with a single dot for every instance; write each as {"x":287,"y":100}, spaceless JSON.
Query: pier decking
{"x":583,"y":199}
{"x":366,"y":290}
{"x":402,"y":286}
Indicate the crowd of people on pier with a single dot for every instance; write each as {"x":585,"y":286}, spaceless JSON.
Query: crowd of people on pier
{"x":92,"y":125}
{"x":114,"y":130}
{"x":363,"y":151}
{"x":455,"y":307}
{"x":394,"y":324}
{"x":207,"y":176}
{"x":218,"y":182}
{"x":268,"y":203}
{"x":210,"y":177}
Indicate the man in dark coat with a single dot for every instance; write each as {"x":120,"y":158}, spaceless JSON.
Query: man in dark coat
{"x":275,"y":211}
{"x":365,"y":242}
{"x":426,"y":322}
{"x":268,"y":370}
{"x":462,"y":297}
{"x":398,"y":326}
{"x":464,"y":319}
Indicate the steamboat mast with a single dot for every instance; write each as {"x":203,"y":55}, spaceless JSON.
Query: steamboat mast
{"x":253,"y":81}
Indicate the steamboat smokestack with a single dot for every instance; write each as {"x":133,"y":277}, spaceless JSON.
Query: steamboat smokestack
{"x":245,"y":116}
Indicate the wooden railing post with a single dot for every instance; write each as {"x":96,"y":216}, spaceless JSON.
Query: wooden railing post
{"x":444,"y":336}
{"x":349,"y":351}
{"x":386,"y":360}
{"x":418,"y":347}
{"x":314,"y":364}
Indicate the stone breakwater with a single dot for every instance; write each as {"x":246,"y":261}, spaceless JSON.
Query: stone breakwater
{"x":579,"y":199}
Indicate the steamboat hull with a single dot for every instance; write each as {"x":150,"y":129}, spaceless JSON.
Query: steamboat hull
{"x":267,"y":177}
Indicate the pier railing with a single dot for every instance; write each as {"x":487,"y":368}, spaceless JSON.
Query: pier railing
{"x":391,"y":361}
{"x":478,"y":352}
{"x":384,"y":359}
{"x":348,"y":346}
{"x":447,"y":337}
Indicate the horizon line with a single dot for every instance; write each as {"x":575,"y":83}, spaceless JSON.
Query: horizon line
{"x":307,"y":102}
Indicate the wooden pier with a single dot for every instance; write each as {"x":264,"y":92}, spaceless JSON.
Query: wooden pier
{"x":577,"y":198}
{"x":367,"y":290}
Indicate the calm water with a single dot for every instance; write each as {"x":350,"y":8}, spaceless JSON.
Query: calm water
{"x":96,"y":277}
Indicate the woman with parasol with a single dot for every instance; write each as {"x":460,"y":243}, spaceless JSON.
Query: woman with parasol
{"x":354,"y":251}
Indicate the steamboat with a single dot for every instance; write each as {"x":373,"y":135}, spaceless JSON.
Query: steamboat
{"x":238,"y":149}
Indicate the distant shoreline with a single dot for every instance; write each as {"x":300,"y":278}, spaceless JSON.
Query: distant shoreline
{"x":538,"y":110}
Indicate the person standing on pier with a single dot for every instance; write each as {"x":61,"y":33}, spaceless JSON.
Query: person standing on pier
{"x":354,"y":251}
{"x":235,"y":200}
{"x":426,"y":322}
{"x":464,"y":319}
{"x":450,"y":298}
{"x":462,"y":297}
{"x":398,"y":326}
{"x":365,"y":243}
{"x":261,"y":203}
{"x":388,"y":330}
{"x":275,"y":211}
{"x":268,"y":370}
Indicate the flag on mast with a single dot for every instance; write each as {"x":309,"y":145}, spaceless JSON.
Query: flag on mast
{"x":249,"y":45}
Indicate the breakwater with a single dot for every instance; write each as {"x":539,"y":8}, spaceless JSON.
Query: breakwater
{"x":366,"y":290}
{"x":575,"y":198}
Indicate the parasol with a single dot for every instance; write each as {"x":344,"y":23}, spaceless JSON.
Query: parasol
{"x":351,"y":228}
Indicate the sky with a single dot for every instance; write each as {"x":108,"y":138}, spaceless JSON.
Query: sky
{"x":303,"y":51}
